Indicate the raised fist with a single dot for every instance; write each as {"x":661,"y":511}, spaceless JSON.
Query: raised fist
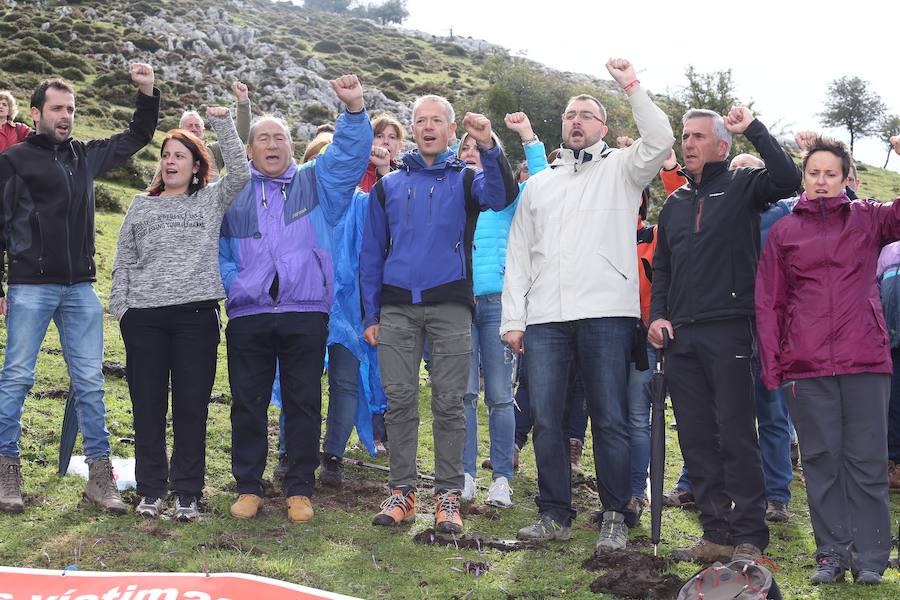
{"x":671,"y":161}
{"x":623,"y":141}
{"x":804,"y":139}
{"x":240,"y":91}
{"x":519,"y":122}
{"x":220,"y":112}
{"x":479,"y":127}
{"x":380,"y":157}
{"x":349,"y":91}
{"x":621,"y":70}
{"x":895,"y":142}
{"x":142,"y":75}
{"x":737,"y":119}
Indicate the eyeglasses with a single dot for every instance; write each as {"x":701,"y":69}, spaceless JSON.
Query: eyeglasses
{"x":585,"y":115}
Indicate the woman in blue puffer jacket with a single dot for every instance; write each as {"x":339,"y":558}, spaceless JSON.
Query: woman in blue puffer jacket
{"x":489,"y":352}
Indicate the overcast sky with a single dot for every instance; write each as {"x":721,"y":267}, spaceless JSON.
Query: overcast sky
{"x":782,"y":54}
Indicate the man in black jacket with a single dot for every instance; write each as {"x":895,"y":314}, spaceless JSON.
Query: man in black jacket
{"x":47,"y":235}
{"x":704,"y":272}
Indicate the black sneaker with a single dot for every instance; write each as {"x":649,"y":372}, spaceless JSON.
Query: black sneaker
{"x":280,"y":469}
{"x":330,"y":473}
{"x":829,"y":570}
{"x":185,"y":508}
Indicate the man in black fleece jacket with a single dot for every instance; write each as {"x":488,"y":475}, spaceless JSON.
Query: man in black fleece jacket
{"x":704,"y":272}
{"x":47,"y":235}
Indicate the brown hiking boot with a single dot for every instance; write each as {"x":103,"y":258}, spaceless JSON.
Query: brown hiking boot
{"x":246,"y":506}
{"x":487,"y":464}
{"x":300,"y":509}
{"x":446,"y":513}
{"x":777,"y":512}
{"x":11,"y":484}
{"x":576,"y":447}
{"x":894,"y":476}
{"x":101,"y":487}
{"x":746,"y":551}
{"x":703,"y":552}
{"x":399,"y":508}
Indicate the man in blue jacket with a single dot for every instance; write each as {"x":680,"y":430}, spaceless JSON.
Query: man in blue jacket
{"x":416,"y":280}
{"x":276,"y":263}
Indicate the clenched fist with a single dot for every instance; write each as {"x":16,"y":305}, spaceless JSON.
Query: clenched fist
{"x":220,"y":112}
{"x":621,"y":70}
{"x":349,"y":91}
{"x":804,"y":139}
{"x":479,"y":127}
{"x":380,"y":157}
{"x":623,"y":141}
{"x":240,"y":91}
{"x":142,"y":75}
{"x":738,"y":119}
{"x":521,"y":124}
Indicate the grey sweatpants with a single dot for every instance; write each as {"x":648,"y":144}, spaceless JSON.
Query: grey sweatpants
{"x":404,"y":328}
{"x":841,"y":424}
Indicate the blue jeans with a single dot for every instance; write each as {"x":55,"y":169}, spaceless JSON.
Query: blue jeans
{"x":343,"y":396}
{"x":79,"y":318}
{"x":497,"y":363}
{"x":575,"y":416}
{"x":775,"y":433}
{"x":602,"y":349}
{"x":639,"y":423}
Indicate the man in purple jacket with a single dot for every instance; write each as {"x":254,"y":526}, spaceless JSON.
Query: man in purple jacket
{"x":276,"y":264}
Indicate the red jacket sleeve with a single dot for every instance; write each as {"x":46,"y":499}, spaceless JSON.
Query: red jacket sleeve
{"x":771,"y":298}
{"x":672,"y":180}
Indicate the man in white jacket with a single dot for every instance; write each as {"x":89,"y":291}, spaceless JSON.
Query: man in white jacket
{"x":572,"y":284}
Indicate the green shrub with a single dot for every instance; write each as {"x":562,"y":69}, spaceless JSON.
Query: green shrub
{"x":316,"y":114}
{"x":327,"y":46}
{"x":132,"y":174}
{"x":106,"y":200}
{"x":24,"y":61}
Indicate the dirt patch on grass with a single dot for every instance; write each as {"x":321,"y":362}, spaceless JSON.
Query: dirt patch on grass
{"x":232,"y":542}
{"x":155,"y":530}
{"x":430,"y":537}
{"x":364,"y":496}
{"x":632,"y":575}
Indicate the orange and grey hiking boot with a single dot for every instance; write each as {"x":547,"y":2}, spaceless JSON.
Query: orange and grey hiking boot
{"x":400,"y":507}
{"x":446,"y":513}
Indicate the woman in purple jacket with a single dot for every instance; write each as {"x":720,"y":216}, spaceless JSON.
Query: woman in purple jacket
{"x":822,"y":336}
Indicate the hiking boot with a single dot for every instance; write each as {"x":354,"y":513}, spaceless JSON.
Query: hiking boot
{"x":469,"y":488}
{"x":149,"y":506}
{"x":446,"y":513}
{"x":300,"y":509}
{"x":499,"y":493}
{"x":281,"y":469}
{"x":746,"y":551}
{"x":185,"y":508}
{"x":545,"y":529}
{"x":704,"y":552}
{"x":795,"y":455}
{"x":867,"y":578}
{"x":488,"y":465}
{"x":246,"y":507}
{"x":101,"y":487}
{"x":11,"y":484}
{"x":576,"y":447}
{"x":637,"y":506}
{"x":330,"y":473}
{"x":678,"y":498}
{"x":380,"y":449}
{"x":777,"y":512}
{"x":894,"y":476}
{"x":613,"y":532}
{"x":829,"y":570}
{"x":400,"y":507}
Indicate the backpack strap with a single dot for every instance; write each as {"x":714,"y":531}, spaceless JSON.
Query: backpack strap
{"x":379,"y":192}
{"x":468,"y":180}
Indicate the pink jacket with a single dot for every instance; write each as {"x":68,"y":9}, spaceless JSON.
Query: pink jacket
{"x":818,"y":310}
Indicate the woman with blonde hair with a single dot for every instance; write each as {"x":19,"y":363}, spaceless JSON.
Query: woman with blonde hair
{"x":11,"y":133}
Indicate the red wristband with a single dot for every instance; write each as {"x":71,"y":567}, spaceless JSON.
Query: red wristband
{"x":631,"y":85}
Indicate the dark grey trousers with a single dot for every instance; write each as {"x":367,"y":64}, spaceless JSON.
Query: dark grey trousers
{"x":401,"y":339}
{"x":841,"y":424}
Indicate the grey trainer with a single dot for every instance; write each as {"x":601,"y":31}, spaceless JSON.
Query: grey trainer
{"x":545,"y":529}
{"x":11,"y":484}
{"x":185,"y":508}
{"x":613,"y":532}
{"x":867,"y":578}
{"x":101,"y":487}
{"x":149,"y":506}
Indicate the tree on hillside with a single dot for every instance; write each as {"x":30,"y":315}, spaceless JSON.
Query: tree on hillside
{"x":332,"y":6}
{"x":392,"y":11}
{"x":889,"y":127}
{"x":851,"y":105}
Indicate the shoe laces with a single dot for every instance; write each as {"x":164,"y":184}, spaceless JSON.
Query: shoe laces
{"x":149,"y":499}
{"x":828,"y":562}
{"x":610,"y":528}
{"x":395,"y":501}
{"x":108,"y":482}
{"x":11,"y":476}
{"x":449,"y":503}
{"x":185,"y":501}
{"x":547,"y":524}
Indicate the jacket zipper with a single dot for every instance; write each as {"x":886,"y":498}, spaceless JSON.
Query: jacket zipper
{"x":322,"y":272}
{"x":691,"y":253}
{"x":699,"y":216}
{"x":615,"y":268}
{"x":462,"y":260}
{"x":830,"y":288}
{"x":37,"y":220}
{"x":430,"y":197}
{"x":68,"y":214}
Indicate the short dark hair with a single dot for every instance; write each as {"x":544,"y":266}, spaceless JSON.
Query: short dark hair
{"x":827,"y":144}
{"x":325,"y":128}
{"x":199,"y":153}
{"x":39,"y":97}
{"x":589,"y":98}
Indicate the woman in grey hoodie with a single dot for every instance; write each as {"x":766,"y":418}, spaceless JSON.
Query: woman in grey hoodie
{"x":165,"y":292}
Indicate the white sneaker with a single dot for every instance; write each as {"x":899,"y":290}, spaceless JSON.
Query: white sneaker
{"x":498,"y":494}
{"x":469,"y":489}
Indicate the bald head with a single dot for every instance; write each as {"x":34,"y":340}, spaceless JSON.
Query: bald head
{"x":746,"y":160}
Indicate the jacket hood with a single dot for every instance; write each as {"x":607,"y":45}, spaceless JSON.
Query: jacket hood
{"x":285,"y":177}
{"x":447,"y":158}
{"x":807,"y":206}
{"x":42,"y":140}
{"x":710,"y":171}
{"x":567,"y":156}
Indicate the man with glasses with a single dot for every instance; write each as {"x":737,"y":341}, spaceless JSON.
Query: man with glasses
{"x":572,"y":285}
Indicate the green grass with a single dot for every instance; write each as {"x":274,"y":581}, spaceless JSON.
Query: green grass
{"x":339,"y":550}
